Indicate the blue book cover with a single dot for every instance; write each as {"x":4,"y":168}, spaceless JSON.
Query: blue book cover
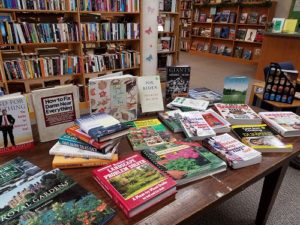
{"x":235,"y":89}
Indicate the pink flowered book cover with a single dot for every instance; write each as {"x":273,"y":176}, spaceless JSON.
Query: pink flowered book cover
{"x":116,"y":96}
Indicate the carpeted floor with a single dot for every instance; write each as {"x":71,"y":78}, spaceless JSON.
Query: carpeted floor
{"x":241,"y":209}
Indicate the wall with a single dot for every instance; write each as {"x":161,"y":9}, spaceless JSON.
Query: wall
{"x":283,"y":8}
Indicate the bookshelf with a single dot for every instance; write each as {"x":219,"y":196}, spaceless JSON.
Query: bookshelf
{"x":230,"y":31}
{"x":186,"y":13}
{"x":89,"y":52}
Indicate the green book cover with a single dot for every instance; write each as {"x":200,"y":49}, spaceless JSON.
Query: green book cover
{"x":169,"y":118}
{"x":235,"y":90}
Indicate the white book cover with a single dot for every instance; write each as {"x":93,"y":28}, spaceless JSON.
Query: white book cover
{"x":190,"y":103}
{"x":150,"y":93}
{"x":55,"y":110}
{"x":278,"y":24}
{"x":215,"y":121}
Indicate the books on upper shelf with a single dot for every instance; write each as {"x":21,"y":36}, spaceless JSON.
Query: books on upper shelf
{"x":290,"y":26}
{"x":116,"y":96}
{"x":225,"y":16}
{"x":166,"y":44}
{"x":15,"y":124}
{"x":110,"y":6}
{"x":252,"y":18}
{"x":150,"y":94}
{"x":195,"y":104}
{"x":286,"y":124}
{"x":55,"y":5}
{"x":235,"y":89}
{"x":169,"y":118}
{"x":165,"y":23}
{"x":194,"y":125}
{"x":48,"y":197}
{"x":238,"y":113}
{"x":205,"y":94}
{"x":278,"y":24}
{"x":178,"y":80}
{"x":101,"y":126}
{"x":185,"y":161}
{"x":235,"y":153}
{"x":243,"y":18}
{"x":215,"y":121}
{"x":57,"y":108}
{"x":167,"y":5}
{"x":120,"y":182}
{"x":261,"y":138}
{"x":145,"y":134}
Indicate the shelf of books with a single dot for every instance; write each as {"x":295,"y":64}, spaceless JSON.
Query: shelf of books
{"x":66,"y":42}
{"x":186,"y":11}
{"x":230,"y":31}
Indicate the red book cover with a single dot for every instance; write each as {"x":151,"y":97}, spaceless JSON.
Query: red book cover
{"x":134,"y":184}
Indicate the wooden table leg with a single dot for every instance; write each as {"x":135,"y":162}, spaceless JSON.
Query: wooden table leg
{"x":269,"y":193}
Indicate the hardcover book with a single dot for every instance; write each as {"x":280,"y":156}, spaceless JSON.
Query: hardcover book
{"x":278,"y":24}
{"x":190,"y":103}
{"x":134,"y":195}
{"x":216,"y":122}
{"x":185,"y":161}
{"x":145,"y":134}
{"x":53,"y":198}
{"x":116,"y":96}
{"x":252,"y":18}
{"x":56,"y":108}
{"x":169,"y":118}
{"x":235,"y":89}
{"x":238,"y":113}
{"x":15,"y":124}
{"x":235,"y":153}
{"x":290,"y":26}
{"x":251,"y":35}
{"x":178,"y":80}
{"x":261,"y":138}
{"x":243,"y":17}
{"x":205,"y":94}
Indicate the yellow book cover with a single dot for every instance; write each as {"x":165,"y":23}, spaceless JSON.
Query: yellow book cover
{"x":290,"y":25}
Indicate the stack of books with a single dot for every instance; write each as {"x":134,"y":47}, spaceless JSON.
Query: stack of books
{"x":92,"y":141}
{"x":187,"y":104}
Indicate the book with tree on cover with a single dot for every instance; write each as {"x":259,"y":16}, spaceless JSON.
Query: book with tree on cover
{"x":169,"y":118}
{"x":261,"y":138}
{"x":53,"y":198}
{"x":185,"y":161}
{"x":205,"y":94}
{"x":216,"y":122}
{"x":134,"y":184}
{"x":235,"y":89}
{"x":147,"y":133}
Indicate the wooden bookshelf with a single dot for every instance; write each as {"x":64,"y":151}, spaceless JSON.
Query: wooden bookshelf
{"x":231,"y":44}
{"x":186,"y":14}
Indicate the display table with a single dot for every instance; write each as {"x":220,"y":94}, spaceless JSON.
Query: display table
{"x":191,"y":199}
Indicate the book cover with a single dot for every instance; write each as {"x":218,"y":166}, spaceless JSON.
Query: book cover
{"x":195,"y":104}
{"x":251,"y":35}
{"x":225,"y":16}
{"x":290,"y":26}
{"x":241,"y":34}
{"x":185,"y":161}
{"x":169,"y":118}
{"x":261,"y":138}
{"x":278,"y":24}
{"x":205,"y":94}
{"x":55,"y":109}
{"x":150,"y":93}
{"x":178,"y":81}
{"x":116,"y":96}
{"x":147,"y":133}
{"x":236,"y":154}
{"x":120,"y":181}
{"x":194,"y":125}
{"x":53,"y":198}
{"x":286,"y":123}
{"x":235,"y":89}
{"x":238,"y":113}
{"x":65,"y":162}
{"x":216,"y":122}
{"x":252,"y":18}
{"x":247,"y":54}
{"x":243,"y":18}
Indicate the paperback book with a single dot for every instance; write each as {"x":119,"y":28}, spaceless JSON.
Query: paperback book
{"x":169,"y":118}
{"x":205,"y":94}
{"x":195,"y":104}
{"x":216,"y":122}
{"x":235,"y":90}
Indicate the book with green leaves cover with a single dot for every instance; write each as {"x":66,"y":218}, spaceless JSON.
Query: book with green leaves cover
{"x":169,"y":118}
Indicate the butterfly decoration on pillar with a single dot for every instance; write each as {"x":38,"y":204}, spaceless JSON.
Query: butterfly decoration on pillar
{"x":149,"y":58}
{"x":148,"y":31}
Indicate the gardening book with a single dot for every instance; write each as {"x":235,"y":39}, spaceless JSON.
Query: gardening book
{"x":205,"y":94}
{"x":235,"y":89}
{"x":101,"y":126}
{"x":216,"y":122}
{"x":200,"y":105}
{"x":185,"y":161}
{"x":116,"y":96}
{"x":178,"y":81}
{"x":261,"y":138}
{"x":134,"y":184}
{"x":53,"y":198}
{"x":194,"y":125}
{"x":15,"y":172}
{"x":56,"y":108}
{"x":286,"y":124}
{"x":145,"y":134}
{"x":150,"y":94}
{"x":15,"y":124}
{"x":169,"y":118}
{"x":234,"y":152}
{"x":238,"y":113}
{"x":65,"y":162}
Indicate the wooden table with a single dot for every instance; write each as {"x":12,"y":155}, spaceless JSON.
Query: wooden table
{"x":192,"y":199}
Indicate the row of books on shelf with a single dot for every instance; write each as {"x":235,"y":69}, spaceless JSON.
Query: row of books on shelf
{"x":186,"y":14}
{"x":110,"y":5}
{"x":164,"y":60}
{"x":185,"y":22}
{"x":166,"y":44}
{"x":184,"y":45}
{"x":166,"y":23}
{"x":184,"y":33}
{"x":39,"y":4}
{"x":109,"y":31}
{"x":186,"y":5}
{"x":167,"y":5}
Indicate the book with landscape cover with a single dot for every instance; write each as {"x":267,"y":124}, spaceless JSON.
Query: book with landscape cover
{"x":169,"y":118}
{"x":235,"y":90}
{"x":53,"y":198}
{"x":216,"y":122}
{"x":286,"y":123}
{"x":261,"y":138}
{"x":147,"y":133}
{"x":101,"y":126}
{"x":238,"y":113}
{"x":194,"y":125}
{"x":15,"y":172}
{"x":56,"y":108}
{"x":185,"y":161}
{"x":134,"y":184}
{"x":178,"y":81}
{"x":205,"y":94}
{"x":234,"y":152}
{"x":195,"y":104}
{"x":15,"y":124}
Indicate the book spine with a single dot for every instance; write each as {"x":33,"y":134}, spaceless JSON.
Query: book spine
{"x":77,"y":165}
{"x":77,"y":145}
